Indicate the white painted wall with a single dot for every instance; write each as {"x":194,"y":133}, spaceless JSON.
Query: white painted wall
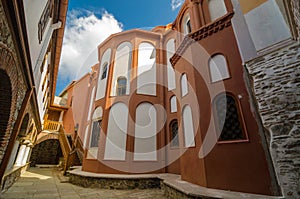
{"x":146,"y":74}
{"x":173,"y":104}
{"x":33,"y":10}
{"x":188,"y":127}
{"x":218,"y":68}
{"x":115,"y":147}
{"x":170,"y":69}
{"x":122,"y":66}
{"x":145,"y":133}
{"x":91,"y":104}
{"x":40,"y":91}
{"x":184,"y":85}
{"x":242,"y":34}
{"x":102,"y":83}
{"x":267,"y":25}
{"x":217,"y":9}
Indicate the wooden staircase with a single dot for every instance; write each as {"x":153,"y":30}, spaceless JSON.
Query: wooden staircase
{"x":72,"y":152}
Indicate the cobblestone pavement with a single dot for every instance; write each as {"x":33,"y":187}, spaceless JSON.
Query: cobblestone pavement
{"x":44,"y":183}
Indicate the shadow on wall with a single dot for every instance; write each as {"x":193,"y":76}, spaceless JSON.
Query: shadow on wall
{"x":47,"y":152}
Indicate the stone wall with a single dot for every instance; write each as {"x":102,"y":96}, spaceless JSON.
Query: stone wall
{"x":47,"y":152}
{"x":275,"y":81}
{"x":296,"y":11}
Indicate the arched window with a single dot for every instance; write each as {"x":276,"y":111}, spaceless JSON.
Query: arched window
{"x":115,"y":146}
{"x":186,"y":25}
{"x":145,"y":133}
{"x":217,"y":9}
{"x":104,"y":71}
{"x":218,"y":68}
{"x":96,"y":127}
{"x":122,"y":68}
{"x":146,"y":71}
{"x":188,"y":127}
{"x":174,"y":133}
{"x":171,"y":72}
{"x":228,"y":119}
{"x":184,"y":85}
{"x":173,"y":104}
{"x":121,"y":86}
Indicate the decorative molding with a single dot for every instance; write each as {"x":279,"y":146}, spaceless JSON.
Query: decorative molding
{"x":200,"y":34}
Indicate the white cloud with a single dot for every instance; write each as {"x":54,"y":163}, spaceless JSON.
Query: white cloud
{"x":83,"y":33}
{"x":176,"y":3}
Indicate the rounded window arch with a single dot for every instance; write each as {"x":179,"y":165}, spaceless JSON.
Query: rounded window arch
{"x":115,"y":143}
{"x":217,"y":9}
{"x":173,"y":104}
{"x":171,"y":73}
{"x":121,"y":86}
{"x":184,"y":85}
{"x":122,"y":67}
{"x":218,"y":68}
{"x":146,"y":70}
{"x":174,"y":133}
{"x":103,"y":73}
{"x":188,"y":127}
{"x":186,"y":24}
{"x":228,"y":118}
{"x":145,"y":146}
{"x":96,"y":127}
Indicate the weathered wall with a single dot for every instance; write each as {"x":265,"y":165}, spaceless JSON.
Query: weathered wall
{"x":47,"y":152}
{"x":276,"y":83}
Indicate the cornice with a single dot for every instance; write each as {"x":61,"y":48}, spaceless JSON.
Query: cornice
{"x":203,"y":32}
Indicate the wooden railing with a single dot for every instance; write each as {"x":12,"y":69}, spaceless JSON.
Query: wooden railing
{"x":52,"y":125}
{"x":70,"y":152}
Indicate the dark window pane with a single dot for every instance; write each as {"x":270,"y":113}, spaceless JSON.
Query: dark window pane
{"x":95,"y":133}
{"x":228,"y":119}
{"x":174,"y":134}
{"x":104,"y":71}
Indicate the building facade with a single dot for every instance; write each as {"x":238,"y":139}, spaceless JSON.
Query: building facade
{"x":30,"y":43}
{"x":191,"y":98}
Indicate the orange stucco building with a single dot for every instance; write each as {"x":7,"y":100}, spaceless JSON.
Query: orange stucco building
{"x":173,"y":100}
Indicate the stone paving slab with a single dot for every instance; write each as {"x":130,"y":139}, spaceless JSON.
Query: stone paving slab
{"x":47,"y":183}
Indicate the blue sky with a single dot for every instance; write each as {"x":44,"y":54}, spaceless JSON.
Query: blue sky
{"x":89,"y":22}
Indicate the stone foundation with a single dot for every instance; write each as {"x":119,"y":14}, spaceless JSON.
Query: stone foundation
{"x":11,"y":177}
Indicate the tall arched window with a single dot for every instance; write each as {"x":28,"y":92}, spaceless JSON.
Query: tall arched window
{"x":173,"y":104}
{"x":145,"y":133}
{"x":188,"y":127}
{"x":95,"y":133}
{"x":174,"y":133}
{"x":122,"y":67}
{"x":228,"y":118}
{"x":146,"y":71}
{"x":115,"y":146}
{"x":186,"y":24}
{"x":217,"y":9}
{"x":184,"y":85}
{"x":103,"y":72}
{"x":171,"y":72}
{"x":218,"y":68}
{"x":121,"y":86}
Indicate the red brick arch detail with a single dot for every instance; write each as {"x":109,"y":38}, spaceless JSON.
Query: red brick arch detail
{"x":8,"y":64}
